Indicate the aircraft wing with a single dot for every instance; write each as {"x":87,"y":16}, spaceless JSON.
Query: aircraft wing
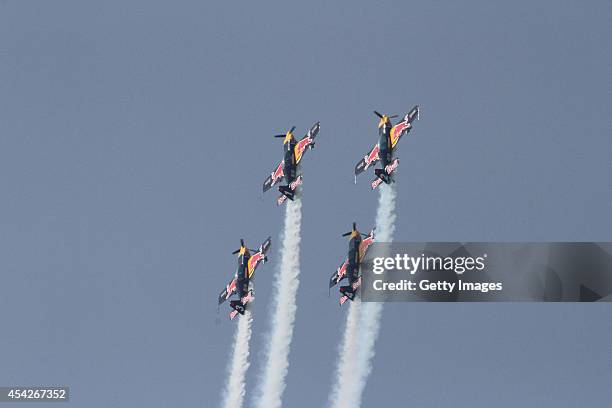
{"x":365,"y":244}
{"x":368,"y":160}
{"x":404,"y":126}
{"x":307,"y":142}
{"x":274,"y":177}
{"x":228,"y":291}
{"x":339,"y":274}
{"x":259,"y":256}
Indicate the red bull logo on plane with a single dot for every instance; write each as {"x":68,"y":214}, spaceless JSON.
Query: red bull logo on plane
{"x":390,"y":168}
{"x":278,"y":173}
{"x":365,"y":244}
{"x":372,"y":157}
{"x":376,"y":183}
{"x":302,"y":144}
{"x":253,"y":260}
{"x":247,"y":298}
{"x":231,"y":288}
{"x":342,"y":270}
{"x":398,"y":129}
{"x":296,"y":183}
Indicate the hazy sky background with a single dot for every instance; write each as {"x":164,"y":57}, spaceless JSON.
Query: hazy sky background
{"x":135,"y":136}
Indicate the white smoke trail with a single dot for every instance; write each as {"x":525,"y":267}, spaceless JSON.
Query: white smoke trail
{"x":354,"y":364}
{"x":385,"y":213}
{"x":287,"y":281}
{"x":235,"y":387}
{"x":347,"y":361}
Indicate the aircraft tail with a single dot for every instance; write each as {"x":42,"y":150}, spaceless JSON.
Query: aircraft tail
{"x":348,"y":292}
{"x":288,"y":191}
{"x":240,"y":306}
{"x":385,"y":174}
{"x":382,"y":174}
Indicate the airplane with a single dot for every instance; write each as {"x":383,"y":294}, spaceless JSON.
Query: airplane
{"x":350,"y":268}
{"x":287,"y":169}
{"x":240,"y":284}
{"x":388,"y":136}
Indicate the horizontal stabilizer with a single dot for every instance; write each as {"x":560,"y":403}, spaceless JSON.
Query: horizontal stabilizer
{"x":289,"y":191}
{"x":281,"y":199}
{"x":376,"y":182}
{"x":237,"y":306}
{"x":385,"y":174}
{"x":347,"y":294}
{"x":240,"y":306}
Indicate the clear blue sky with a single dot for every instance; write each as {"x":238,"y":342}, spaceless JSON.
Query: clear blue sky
{"x":135,"y":136}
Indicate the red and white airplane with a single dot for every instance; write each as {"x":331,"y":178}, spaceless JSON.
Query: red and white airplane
{"x":351,"y":267}
{"x":240,"y":284}
{"x":388,"y":136}
{"x":288,"y":168}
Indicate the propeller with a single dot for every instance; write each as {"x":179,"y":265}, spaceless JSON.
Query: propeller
{"x":241,"y":246}
{"x":380,"y":115}
{"x":346,"y":234}
{"x":291,"y":131}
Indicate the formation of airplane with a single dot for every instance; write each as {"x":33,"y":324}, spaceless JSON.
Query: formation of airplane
{"x":389,"y":135}
{"x":240,"y":284}
{"x":288,"y":168}
{"x":351,"y":267}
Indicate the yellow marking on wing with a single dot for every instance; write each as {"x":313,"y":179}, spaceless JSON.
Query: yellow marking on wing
{"x":361,"y":251}
{"x":251,"y":266}
{"x":297,"y":153}
{"x":394,"y":136}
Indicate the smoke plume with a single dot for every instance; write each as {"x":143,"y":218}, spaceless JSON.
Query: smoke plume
{"x":283,"y":316}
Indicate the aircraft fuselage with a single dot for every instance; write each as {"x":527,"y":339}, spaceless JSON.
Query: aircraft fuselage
{"x":242,"y":284}
{"x":385,"y":149}
{"x":289,"y":167}
{"x":352,"y":270}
